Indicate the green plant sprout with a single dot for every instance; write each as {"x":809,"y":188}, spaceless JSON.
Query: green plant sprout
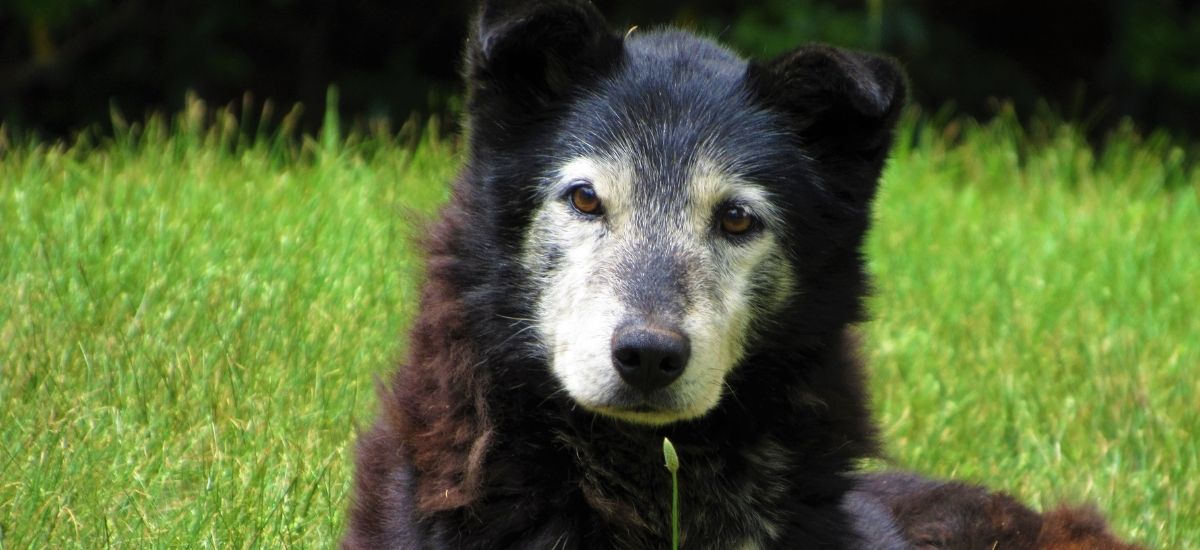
{"x":672,"y":463}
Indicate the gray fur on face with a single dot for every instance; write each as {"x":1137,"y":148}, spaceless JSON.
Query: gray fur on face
{"x":656,"y":254}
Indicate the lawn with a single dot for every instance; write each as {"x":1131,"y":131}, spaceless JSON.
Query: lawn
{"x":192,"y":320}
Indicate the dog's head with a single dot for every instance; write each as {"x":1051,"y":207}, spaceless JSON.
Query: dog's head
{"x":674,"y":207}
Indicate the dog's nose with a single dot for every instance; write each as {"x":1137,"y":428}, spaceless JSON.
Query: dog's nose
{"x":649,"y":357}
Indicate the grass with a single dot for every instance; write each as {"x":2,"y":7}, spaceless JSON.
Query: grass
{"x":191,"y":321}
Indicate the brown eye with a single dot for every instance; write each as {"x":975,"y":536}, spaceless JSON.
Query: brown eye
{"x":735,"y":220}
{"x":585,"y":200}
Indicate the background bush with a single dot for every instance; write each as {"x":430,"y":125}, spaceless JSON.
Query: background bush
{"x":64,"y":63}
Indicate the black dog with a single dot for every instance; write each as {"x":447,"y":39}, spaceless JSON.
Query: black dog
{"x":650,"y":237}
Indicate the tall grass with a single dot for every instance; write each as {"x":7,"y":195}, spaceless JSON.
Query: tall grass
{"x":192,"y":316}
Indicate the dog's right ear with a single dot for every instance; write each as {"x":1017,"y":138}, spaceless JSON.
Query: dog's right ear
{"x":528,"y":54}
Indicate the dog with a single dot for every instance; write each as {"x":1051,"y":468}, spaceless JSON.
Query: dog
{"x":650,"y":237}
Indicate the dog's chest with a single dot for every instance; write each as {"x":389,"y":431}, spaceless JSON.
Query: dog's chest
{"x":727,"y":500}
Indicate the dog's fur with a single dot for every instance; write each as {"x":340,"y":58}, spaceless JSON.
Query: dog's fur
{"x":947,"y":514}
{"x":509,"y":428}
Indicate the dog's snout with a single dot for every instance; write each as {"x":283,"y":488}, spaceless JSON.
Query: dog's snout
{"x":649,"y":357}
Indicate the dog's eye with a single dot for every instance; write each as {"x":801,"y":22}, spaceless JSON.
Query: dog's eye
{"x":736,"y":220}
{"x":585,"y":199}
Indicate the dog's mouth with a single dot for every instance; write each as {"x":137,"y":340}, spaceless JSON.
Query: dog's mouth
{"x":656,"y":408}
{"x":640,"y":415}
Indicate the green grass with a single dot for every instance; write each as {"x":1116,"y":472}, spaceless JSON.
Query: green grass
{"x":191,"y":322}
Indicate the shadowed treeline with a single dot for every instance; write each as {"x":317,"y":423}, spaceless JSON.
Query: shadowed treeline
{"x":65,"y":63}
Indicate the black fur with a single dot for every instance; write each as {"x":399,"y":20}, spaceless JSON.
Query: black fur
{"x":476,"y":448}
{"x":949,"y":515}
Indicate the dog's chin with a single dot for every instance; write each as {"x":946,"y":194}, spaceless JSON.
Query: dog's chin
{"x":646,"y":417}
{"x":649,"y":411}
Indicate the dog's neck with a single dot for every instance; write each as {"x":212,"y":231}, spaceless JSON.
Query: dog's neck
{"x":747,"y":472}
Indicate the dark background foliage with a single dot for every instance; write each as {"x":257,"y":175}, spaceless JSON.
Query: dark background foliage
{"x":64,"y":64}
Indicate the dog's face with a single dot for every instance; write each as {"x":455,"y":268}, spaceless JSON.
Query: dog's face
{"x":664,"y":191}
{"x":648,"y":288}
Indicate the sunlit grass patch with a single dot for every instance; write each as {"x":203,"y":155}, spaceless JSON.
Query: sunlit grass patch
{"x":191,"y":320}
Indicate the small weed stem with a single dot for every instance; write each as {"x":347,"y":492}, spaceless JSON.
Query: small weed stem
{"x":672,"y":463}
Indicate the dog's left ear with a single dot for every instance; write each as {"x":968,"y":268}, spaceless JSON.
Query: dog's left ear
{"x":843,"y":104}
